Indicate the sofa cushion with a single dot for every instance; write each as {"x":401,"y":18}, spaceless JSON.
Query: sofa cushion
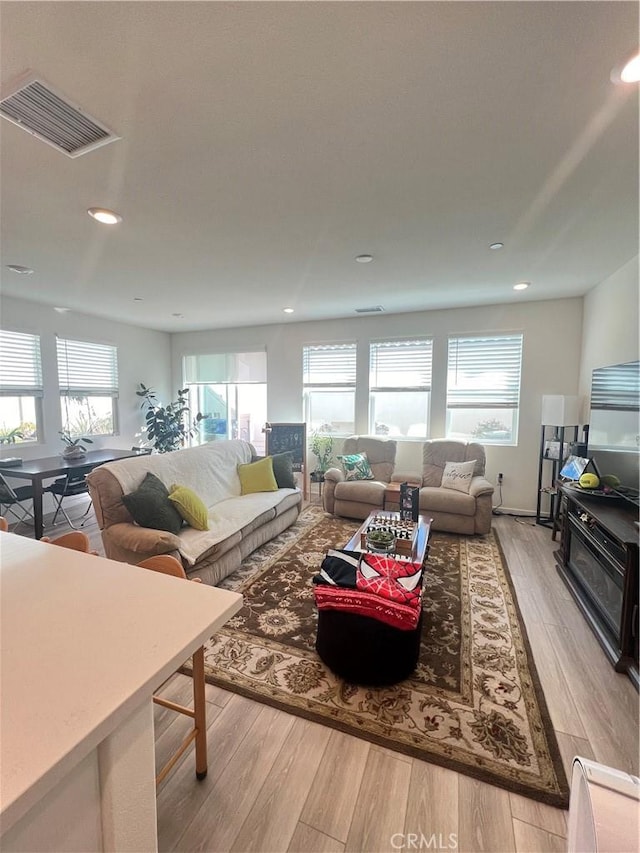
{"x":150,"y":506}
{"x":257,"y":477}
{"x":437,"y":452}
{"x":435,"y":499}
{"x":361,"y":491}
{"x":190,"y":507}
{"x":356,"y":466}
{"x":457,"y":475}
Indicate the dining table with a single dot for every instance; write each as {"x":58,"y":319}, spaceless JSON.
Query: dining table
{"x":39,"y":470}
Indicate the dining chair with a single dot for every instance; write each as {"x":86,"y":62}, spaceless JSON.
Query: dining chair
{"x":13,"y":500}
{"x":168,"y":565}
{"x":72,"y":484}
{"x":4,"y":524}
{"x":77,"y":541}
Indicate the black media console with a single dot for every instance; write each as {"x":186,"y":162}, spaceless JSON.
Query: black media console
{"x":598,"y":560}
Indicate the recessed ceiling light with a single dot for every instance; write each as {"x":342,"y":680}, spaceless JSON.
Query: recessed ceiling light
{"x":628,"y":73}
{"x":20,"y":270}
{"x":521,"y":285}
{"x":364,"y":259}
{"x":288,"y":310}
{"x":62,"y":310}
{"x":496,"y":246}
{"x":107,"y":217}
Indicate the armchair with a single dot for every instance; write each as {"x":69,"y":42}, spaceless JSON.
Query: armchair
{"x":451,"y":510}
{"x":357,"y":498}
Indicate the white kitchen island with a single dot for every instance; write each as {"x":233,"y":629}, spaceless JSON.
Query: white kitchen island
{"x":84,"y":643}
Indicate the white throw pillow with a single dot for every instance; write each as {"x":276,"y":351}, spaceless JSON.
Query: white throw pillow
{"x":457,"y":475}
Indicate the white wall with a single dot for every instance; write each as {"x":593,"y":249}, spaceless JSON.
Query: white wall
{"x":551,"y":365}
{"x":610,"y":331}
{"x":143,"y":356}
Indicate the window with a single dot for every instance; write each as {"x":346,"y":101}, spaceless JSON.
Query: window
{"x":88,"y":379}
{"x":20,"y":387}
{"x":483,"y":388}
{"x":230,"y":391}
{"x":329,"y":378}
{"x":400,"y":388}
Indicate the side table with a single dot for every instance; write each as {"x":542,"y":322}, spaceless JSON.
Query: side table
{"x":391,"y":499}
{"x":317,"y":477}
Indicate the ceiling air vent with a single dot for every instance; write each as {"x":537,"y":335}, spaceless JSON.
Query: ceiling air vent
{"x":375,"y":309}
{"x":37,"y":108}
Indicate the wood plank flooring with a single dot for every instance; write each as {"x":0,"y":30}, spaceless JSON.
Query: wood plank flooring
{"x":280,"y":783}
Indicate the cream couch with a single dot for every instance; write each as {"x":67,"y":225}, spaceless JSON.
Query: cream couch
{"x":453,"y":511}
{"x":238,"y":523}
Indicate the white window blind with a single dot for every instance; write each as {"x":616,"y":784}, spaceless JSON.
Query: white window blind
{"x":615,"y":388}
{"x":20,"y":365}
{"x":330,"y":365}
{"x":235,"y":368}
{"x":399,"y":365}
{"x":87,"y":369}
{"x":484,"y":372}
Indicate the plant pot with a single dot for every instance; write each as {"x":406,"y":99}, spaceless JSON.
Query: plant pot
{"x":74,"y":452}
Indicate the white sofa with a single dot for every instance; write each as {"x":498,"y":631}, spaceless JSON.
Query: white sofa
{"x":238,"y":523}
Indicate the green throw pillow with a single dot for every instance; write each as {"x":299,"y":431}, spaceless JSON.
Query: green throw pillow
{"x":190,"y":507}
{"x":257,"y":477}
{"x":150,"y":506}
{"x":356,"y":466}
{"x":283,"y":470}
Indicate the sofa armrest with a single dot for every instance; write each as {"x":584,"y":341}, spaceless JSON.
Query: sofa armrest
{"x":331,"y":478}
{"x":333,"y":475}
{"x":480,"y":486}
{"x":407,"y":477}
{"x":139,"y":540}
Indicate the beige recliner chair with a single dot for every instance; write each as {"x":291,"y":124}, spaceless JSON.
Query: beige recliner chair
{"x":451,"y":510}
{"x":357,"y":498}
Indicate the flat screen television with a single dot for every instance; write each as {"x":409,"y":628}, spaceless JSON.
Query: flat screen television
{"x":614,"y":424}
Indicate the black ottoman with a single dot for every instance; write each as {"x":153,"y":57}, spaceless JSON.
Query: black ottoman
{"x":366,"y":651}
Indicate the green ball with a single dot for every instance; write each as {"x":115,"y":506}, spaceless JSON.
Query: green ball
{"x":589,"y":481}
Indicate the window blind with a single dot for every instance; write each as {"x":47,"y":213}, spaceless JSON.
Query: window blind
{"x":234,"y":368}
{"x":330,"y":365}
{"x":615,"y":388}
{"x":20,"y":365}
{"x":87,"y":369}
{"x":399,"y":365}
{"x":484,"y":372}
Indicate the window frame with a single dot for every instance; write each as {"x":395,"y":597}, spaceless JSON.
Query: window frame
{"x":74,"y":380}
{"x":21,"y":374}
{"x":226,"y":369}
{"x":313,"y":369}
{"x":377,"y":370}
{"x":504,"y":345}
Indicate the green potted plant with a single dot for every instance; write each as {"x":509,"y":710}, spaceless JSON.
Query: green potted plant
{"x":167,"y":426}
{"x":10,"y":436}
{"x":321,"y":446}
{"x":74,"y":445}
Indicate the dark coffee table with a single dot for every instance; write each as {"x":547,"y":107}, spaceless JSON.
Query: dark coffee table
{"x":364,"y":650}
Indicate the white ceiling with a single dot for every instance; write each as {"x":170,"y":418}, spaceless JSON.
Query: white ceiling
{"x":265,"y":145}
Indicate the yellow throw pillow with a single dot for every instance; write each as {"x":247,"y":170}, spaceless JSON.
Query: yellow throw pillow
{"x":257,"y":477}
{"x":190,"y":507}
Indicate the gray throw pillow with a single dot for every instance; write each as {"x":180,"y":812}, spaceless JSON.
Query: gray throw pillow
{"x":150,"y":506}
{"x":282,"y":469}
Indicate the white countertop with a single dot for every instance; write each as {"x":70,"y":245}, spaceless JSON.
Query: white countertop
{"x":83,"y":641}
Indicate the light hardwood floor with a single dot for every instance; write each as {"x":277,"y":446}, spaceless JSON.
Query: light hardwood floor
{"x":280,"y":783}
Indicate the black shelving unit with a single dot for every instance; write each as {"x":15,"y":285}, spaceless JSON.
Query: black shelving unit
{"x":549,"y":470}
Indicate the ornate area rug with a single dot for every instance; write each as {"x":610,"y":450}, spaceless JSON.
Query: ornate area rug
{"x":474,"y":703}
